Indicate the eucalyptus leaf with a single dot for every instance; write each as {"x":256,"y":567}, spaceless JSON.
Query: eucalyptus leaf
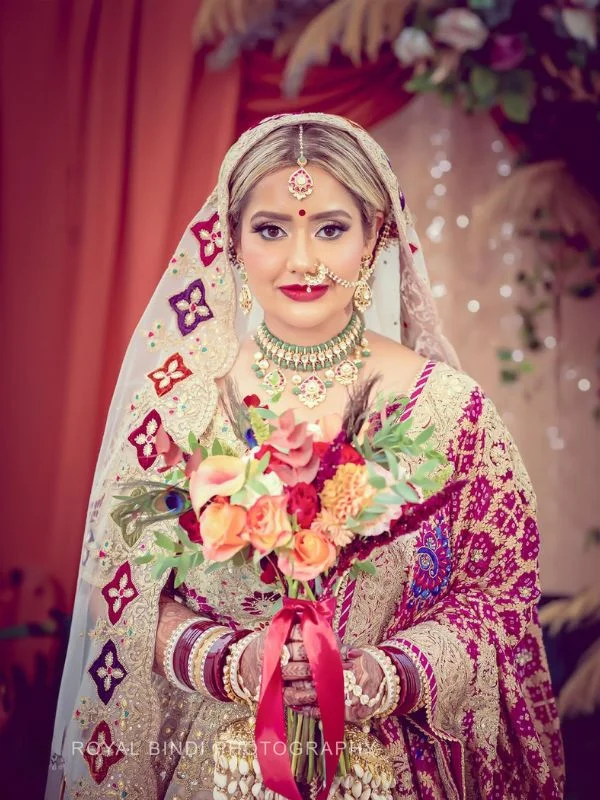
{"x":164,"y":541}
{"x":145,"y":559}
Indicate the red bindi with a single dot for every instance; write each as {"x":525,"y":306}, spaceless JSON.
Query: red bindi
{"x":302,"y":212}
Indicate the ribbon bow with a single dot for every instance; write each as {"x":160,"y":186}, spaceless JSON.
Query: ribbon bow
{"x":326,"y":667}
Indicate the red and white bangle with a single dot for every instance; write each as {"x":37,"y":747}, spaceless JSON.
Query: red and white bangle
{"x":168,"y":666}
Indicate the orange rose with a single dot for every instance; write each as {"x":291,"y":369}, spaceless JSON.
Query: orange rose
{"x":312,"y":553}
{"x":222,"y":525}
{"x":267,"y":524}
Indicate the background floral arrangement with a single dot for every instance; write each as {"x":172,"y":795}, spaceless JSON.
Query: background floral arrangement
{"x":533,"y":65}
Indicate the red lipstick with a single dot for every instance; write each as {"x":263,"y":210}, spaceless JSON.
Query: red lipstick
{"x":301,"y":294}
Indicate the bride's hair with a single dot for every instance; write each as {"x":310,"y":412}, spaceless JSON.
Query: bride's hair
{"x":332,"y":149}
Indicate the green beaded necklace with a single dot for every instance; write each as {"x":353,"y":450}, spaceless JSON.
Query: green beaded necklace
{"x":339,"y":359}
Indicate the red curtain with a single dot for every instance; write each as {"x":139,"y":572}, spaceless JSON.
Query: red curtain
{"x":113,"y":131}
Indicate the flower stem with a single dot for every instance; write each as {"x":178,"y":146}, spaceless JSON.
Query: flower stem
{"x":297,"y":738}
{"x":311,"y":752}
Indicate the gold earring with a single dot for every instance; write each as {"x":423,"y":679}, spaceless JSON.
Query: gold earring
{"x":363,"y":296}
{"x":245,"y":296}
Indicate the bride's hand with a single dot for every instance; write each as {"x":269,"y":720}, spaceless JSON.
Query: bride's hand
{"x":250,"y":666}
{"x":299,"y":690}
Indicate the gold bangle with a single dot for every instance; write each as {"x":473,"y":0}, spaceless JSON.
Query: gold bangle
{"x":392,"y":680}
{"x":198,"y":669}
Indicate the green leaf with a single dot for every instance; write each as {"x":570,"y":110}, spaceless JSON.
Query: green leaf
{"x":193,"y":441}
{"x":406,"y":493}
{"x":425,"y":435}
{"x":163,"y":565}
{"x":484,"y":84}
{"x":263,"y":463}
{"x":517,"y":107}
{"x":265,"y":413}
{"x":377,"y":481}
{"x":420,"y":83}
{"x":164,"y":541}
{"x":145,"y":559}
{"x":392,"y":462}
{"x":365,"y":566}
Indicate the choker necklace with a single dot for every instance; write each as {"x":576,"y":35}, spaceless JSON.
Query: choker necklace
{"x":339,"y":359}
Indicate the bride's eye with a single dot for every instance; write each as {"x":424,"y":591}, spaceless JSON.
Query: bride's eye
{"x":269,"y":231}
{"x":332,"y":231}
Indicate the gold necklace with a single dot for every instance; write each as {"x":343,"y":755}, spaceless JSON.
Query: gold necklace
{"x":338,"y":359}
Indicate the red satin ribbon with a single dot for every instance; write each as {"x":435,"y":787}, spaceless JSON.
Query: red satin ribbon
{"x":326,"y":666}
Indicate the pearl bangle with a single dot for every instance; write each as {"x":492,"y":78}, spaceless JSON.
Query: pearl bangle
{"x":170,"y":650}
{"x":232,"y":666}
{"x":391,"y":678}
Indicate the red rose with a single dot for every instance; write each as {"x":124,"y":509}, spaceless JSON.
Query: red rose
{"x":191,"y":526}
{"x":268,"y":573}
{"x":350,"y":456}
{"x":320,"y":448}
{"x":303,"y":501}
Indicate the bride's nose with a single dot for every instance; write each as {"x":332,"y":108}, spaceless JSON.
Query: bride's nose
{"x":300,"y":259}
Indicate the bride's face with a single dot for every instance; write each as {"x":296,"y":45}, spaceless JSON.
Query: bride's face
{"x":282,"y":238}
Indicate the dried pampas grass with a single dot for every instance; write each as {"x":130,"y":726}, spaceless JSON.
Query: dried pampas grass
{"x":581,"y":693}
{"x":355,"y":26}
{"x":572,"y":612}
{"x":549,"y":186}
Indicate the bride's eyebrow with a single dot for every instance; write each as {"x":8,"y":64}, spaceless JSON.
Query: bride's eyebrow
{"x":274,"y":215}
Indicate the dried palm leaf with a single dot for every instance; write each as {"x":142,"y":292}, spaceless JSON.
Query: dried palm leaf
{"x":549,"y":186}
{"x":219,"y":18}
{"x":356,"y":26}
{"x":581,"y":693}
{"x":572,"y":612}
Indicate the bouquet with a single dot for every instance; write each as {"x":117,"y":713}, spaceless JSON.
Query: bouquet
{"x":307,"y":505}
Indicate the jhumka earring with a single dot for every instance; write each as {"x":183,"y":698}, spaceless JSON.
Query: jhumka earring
{"x":363,"y":296}
{"x":245,"y":296}
{"x":300,"y":183}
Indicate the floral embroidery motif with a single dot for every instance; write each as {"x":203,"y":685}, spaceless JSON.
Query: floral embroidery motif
{"x":434,"y":565}
{"x":100,"y":753}
{"x":107,"y":671}
{"x":210,"y":237}
{"x":144,"y":439}
{"x":173,"y":371}
{"x":259,"y":603}
{"x":190,"y":307}
{"x":119,"y":592}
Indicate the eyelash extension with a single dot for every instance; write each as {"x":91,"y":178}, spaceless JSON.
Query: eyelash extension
{"x":265,"y":226}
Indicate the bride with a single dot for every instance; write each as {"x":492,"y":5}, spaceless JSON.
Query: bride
{"x":301,"y":278}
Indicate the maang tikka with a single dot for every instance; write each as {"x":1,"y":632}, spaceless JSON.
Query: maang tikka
{"x":300,"y":182}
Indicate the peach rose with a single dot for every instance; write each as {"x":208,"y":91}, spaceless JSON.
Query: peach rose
{"x":311,"y":554}
{"x":267,"y":524}
{"x":222,"y":525}
{"x":222,"y":475}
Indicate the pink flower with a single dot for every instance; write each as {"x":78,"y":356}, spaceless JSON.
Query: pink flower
{"x":508,"y":50}
{"x":216,"y":475}
{"x":461,"y":29}
{"x":291,"y":447}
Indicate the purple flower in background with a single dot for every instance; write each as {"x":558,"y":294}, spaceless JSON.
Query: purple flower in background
{"x":507,"y":51}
